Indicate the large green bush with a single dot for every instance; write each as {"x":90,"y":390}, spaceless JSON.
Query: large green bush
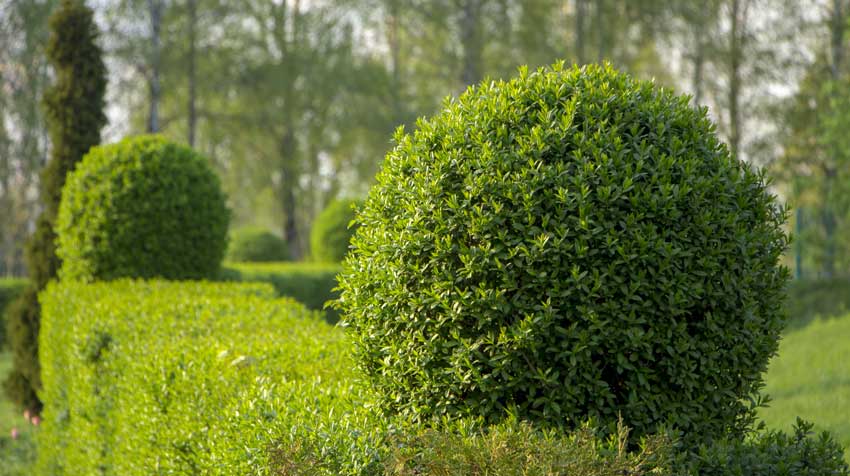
{"x":572,"y":244}
{"x":193,"y":378}
{"x":253,"y":244}
{"x":312,"y":284}
{"x":331,"y":234}
{"x":143,"y":207}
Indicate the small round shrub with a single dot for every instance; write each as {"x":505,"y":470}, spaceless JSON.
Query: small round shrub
{"x":143,"y":208}
{"x":253,"y":244}
{"x":567,"y":245}
{"x":331,"y":235}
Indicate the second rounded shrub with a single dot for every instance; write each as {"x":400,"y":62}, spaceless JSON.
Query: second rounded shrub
{"x":143,"y":207}
{"x":567,"y":245}
{"x":254,"y":245}
{"x":330,"y":235}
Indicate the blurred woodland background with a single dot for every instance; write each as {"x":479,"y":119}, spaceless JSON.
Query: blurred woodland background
{"x":295,"y":101}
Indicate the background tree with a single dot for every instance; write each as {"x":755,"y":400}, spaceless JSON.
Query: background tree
{"x":74,"y":108}
{"x":23,"y":134}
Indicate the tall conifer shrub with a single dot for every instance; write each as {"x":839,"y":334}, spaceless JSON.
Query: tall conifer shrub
{"x":74,"y":107}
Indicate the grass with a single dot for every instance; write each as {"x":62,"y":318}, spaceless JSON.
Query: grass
{"x":16,"y":455}
{"x":810,"y":378}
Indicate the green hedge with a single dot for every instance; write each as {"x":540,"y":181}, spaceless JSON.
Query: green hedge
{"x":192,"y":378}
{"x":9,"y":290}
{"x":309,"y":283}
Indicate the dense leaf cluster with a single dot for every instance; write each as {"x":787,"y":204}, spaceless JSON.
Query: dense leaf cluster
{"x":331,"y":233}
{"x":571,"y":244}
{"x":143,"y":207}
{"x":74,"y":110}
{"x":253,"y":244}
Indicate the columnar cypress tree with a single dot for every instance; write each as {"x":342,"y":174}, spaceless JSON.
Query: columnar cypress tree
{"x":74,"y":108}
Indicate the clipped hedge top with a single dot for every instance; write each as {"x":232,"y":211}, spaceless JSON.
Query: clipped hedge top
{"x":572,"y":243}
{"x":190,"y":377}
{"x":143,"y":208}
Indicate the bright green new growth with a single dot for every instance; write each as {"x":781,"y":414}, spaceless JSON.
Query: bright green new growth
{"x":143,"y":207}
{"x":331,"y":235}
{"x":571,"y":244}
{"x":253,"y":245}
{"x":188,"y":378}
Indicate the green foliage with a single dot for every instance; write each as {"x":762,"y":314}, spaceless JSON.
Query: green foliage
{"x":331,"y":234}
{"x":256,"y":245}
{"x":575,"y":244}
{"x":193,"y":378}
{"x":10,"y":289}
{"x":309,"y":283}
{"x":518,"y":449}
{"x":768,"y":454}
{"x":74,"y":113}
{"x":143,"y":207}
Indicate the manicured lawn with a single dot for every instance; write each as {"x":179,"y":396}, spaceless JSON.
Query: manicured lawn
{"x":810,"y":378}
{"x":15,"y":455}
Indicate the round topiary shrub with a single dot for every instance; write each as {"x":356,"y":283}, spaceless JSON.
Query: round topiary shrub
{"x":331,"y":235}
{"x":570,"y":244}
{"x":254,"y":244}
{"x":143,"y":207}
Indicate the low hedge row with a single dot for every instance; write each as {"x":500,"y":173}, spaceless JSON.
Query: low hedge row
{"x":309,"y":283}
{"x":146,"y":378}
{"x":192,"y":378}
{"x":9,"y":290}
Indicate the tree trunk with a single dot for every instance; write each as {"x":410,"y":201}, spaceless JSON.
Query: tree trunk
{"x":288,"y":185}
{"x":600,"y":30}
{"x":698,"y":61}
{"x":736,"y":40}
{"x":470,"y":37}
{"x":191,"y":73}
{"x":394,"y":43}
{"x":287,"y":34}
{"x":837,"y":28}
{"x":580,"y":33}
{"x":155,"y":11}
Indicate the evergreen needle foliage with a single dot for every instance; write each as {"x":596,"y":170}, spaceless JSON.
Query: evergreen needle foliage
{"x":74,"y":108}
{"x":573,"y":243}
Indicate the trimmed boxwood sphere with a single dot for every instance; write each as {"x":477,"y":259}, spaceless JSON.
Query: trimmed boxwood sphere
{"x":254,"y":244}
{"x":567,"y":245}
{"x":331,"y":235}
{"x":143,"y":208}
